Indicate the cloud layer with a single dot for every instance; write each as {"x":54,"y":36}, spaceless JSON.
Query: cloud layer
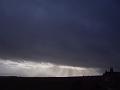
{"x":82,"y":33}
{"x":33,"y":69}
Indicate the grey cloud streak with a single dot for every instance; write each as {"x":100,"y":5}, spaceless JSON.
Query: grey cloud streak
{"x":43,"y":69}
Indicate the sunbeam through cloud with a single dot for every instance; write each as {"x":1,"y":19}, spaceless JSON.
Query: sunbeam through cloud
{"x":43,"y":69}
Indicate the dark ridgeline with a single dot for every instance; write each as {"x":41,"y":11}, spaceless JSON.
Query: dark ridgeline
{"x":110,"y":80}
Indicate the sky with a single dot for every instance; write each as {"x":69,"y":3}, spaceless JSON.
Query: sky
{"x":80,"y":34}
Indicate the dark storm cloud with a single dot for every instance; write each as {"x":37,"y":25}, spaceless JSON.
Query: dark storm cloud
{"x":73,"y":32}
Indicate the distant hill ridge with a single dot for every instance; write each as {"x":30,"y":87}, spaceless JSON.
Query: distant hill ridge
{"x":110,"y":80}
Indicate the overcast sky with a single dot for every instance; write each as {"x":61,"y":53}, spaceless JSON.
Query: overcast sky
{"x":79,"y":33}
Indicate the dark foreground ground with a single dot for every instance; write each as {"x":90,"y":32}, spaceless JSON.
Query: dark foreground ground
{"x":60,"y":83}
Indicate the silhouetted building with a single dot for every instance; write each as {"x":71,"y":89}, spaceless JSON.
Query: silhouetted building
{"x":111,"y":73}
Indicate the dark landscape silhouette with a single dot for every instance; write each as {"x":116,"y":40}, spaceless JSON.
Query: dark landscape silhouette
{"x":110,"y":80}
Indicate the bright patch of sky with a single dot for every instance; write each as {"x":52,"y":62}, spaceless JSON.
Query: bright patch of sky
{"x":43,"y":69}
